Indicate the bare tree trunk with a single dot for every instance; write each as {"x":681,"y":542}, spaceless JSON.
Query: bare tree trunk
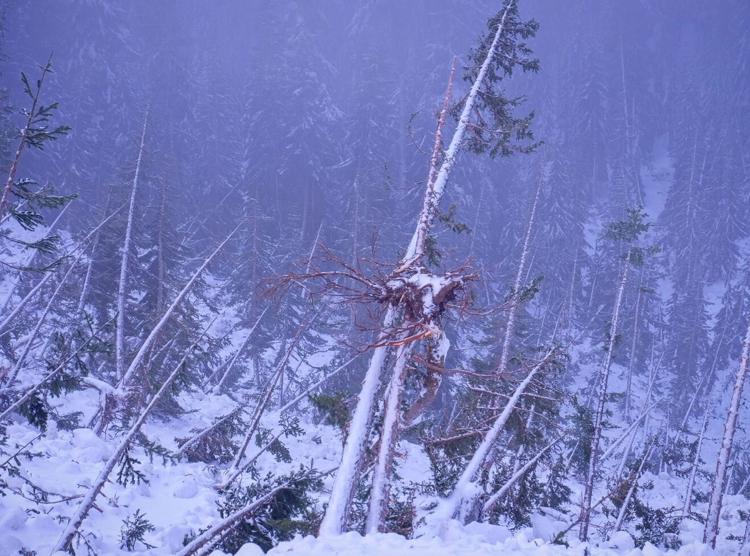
{"x":694,"y":470}
{"x":126,"y":246}
{"x":631,"y":490}
{"x":343,"y":484}
{"x":17,"y":309}
{"x":633,"y":345}
{"x":388,"y":441}
{"x":516,"y":476}
{"x":32,"y":337}
{"x":510,"y":326}
{"x":237,"y":467}
{"x":730,"y":426}
{"x":392,"y":410}
{"x":120,"y":392}
{"x":463,"y":492}
{"x":87,"y":502}
{"x":22,"y":141}
{"x":239,"y":351}
{"x":599,"y":416}
{"x":203,"y":543}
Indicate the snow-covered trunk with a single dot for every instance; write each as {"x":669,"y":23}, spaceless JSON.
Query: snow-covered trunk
{"x":517,"y":283}
{"x":239,"y":351}
{"x":516,"y":476}
{"x":135,"y":363}
{"x":35,"y":332}
{"x":88,"y":500}
{"x":722,"y":463}
{"x":237,"y":466}
{"x":463,"y":491}
{"x":161,"y":271}
{"x":334,"y":519}
{"x":122,"y":286}
{"x":633,"y":344}
{"x":392,"y":409}
{"x":571,"y":295}
{"x":434,"y":192}
{"x":203,"y":543}
{"x":631,"y":490}
{"x":120,"y":392}
{"x":585,"y":517}
{"x":388,"y":440}
{"x":694,"y":470}
{"x":50,"y":375}
{"x":29,"y":260}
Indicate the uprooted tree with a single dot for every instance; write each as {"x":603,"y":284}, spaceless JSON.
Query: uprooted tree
{"x":414,"y":298}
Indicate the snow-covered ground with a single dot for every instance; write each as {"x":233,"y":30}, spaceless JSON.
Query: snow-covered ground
{"x":179,"y":499}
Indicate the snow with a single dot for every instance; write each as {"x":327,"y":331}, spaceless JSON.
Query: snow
{"x":471,"y":540}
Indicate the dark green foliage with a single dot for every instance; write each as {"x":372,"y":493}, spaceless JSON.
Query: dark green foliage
{"x":128,"y":472}
{"x":401,"y":513}
{"x":331,"y":409}
{"x":25,"y":200}
{"x":630,"y":231}
{"x":659,"y":526}
{"x":153,"y":448}
{"x":498,"y":130}
{"x":448,"y":218}
{"x":433,"y":254}
{"x":289,"y":513}
{"x":582,"y":422}
{"x":35,"y":410}
{"x":133,"y":531}
{"x":556,"y":493}
{"x":529,"y":291}
{"x":218,"y":445}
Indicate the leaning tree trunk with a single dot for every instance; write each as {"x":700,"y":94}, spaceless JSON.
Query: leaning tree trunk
{"x":388,"y":440}
{"x":722,"y":462}
{"x":514,"y":302}
{"x":585,"y":517}
{"x":464,"y":491}
{"x":122,"y":287}
{"x":392,"y":410}
{"x":88,"y":500}
{"x":336,"y":512}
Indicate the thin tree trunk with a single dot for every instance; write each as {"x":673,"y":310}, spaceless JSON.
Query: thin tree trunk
{"x":263,"y":403}
{"x":730,"y":426}
{"x":599,"y":416}
{"x":17,"y":309}
{"x":694,"y":471}
{"x":203,"y":543}
{"x":517,"y":475}
{"x":631,"y":490}
{"x":22,"y":141}
{"x":88,"y":500}
{"x":245,"y":342}
{"x":388,"y":441}
{"x":49,"y":376}
{"x":122,"y":286}
{"x":510,"y":326}
{"x":463,"y":492}
{"x":134,"y":364}
{"x":633,"y":344}
{"x":32,"y":337}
